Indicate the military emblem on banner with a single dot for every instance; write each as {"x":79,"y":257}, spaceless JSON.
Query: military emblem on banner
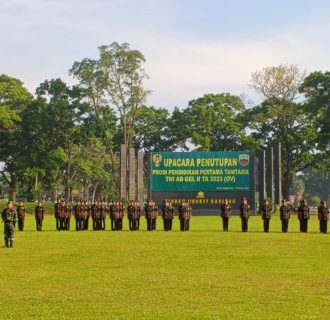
{"x":200,"y":195}
{"x":244,"y":160}
{"x":157,"y":159}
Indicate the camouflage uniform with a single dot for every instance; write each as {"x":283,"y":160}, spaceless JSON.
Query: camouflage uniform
{"x":323,"y":215}
{"x":39,"y":215}
{"x":21,"y":213}
{"x":285,"y":216}
{"x":244,"y":210}
{"x":303,"y":216}
{"x":112,"y":215}
{"x":167,"y":215}
{"x":151,"y":213}
{"x":104,"y":210}
{"x":78,"y":214}
{"x":57,"y":214}
{"x":136,"y":215}
{"x":85,"y":214}
{"x":8,"y":217}
{"x":184,"y":216}
{"x":119,"y":215}
{"x":225,"y":212}
{"x":266,"y":211}
{"x":67,"y":216}
{"x":130,"y":212}
{"x":96,"y":216}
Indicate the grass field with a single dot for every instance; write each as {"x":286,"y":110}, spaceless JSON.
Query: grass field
{"x":201,"y":274}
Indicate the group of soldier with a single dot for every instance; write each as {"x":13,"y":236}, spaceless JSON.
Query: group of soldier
{"x":99,"y":210}
{"x":303,"y":214}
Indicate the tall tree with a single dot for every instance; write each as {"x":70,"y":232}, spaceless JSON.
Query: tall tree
{"x":115,"y":80}
{"x":14,"y":98}
{"x":316,"y":90}
{"x":281,"y":119}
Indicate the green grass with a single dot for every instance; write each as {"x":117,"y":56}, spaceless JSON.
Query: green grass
{"x":201,"y":274}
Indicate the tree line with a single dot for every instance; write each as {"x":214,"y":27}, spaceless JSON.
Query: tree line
{"x":67,"y":137}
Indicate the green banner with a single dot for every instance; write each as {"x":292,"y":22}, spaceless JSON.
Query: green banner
{"x":200,"y":171}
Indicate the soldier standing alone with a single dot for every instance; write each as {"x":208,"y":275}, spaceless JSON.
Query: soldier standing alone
{"x":323,"y":215}
{"x":21,"y":213}
{"x":8,"y":217}
{"x":303,"y":215}
{"x":266,"y":211}
{"x":244,"y":210}
{"x":285,"y":216}
{"x":39,"y":215}
{"x":225,"y":210}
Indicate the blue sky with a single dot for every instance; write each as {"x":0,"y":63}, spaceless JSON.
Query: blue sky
{"x":192,"y":47}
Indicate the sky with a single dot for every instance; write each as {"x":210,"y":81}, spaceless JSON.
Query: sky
{"x":191,"y":47}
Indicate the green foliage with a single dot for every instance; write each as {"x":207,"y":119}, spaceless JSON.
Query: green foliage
{"x":215,"y":123}
{"x":280,"y":119}
{"x":200,"y":274}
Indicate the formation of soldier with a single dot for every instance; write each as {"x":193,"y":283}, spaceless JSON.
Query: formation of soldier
{"x":303,"y":213}
{"x":99,"y":210}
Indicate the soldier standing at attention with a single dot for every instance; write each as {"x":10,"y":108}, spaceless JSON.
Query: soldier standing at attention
{"x":8,"y":217}
{"x":151,"y":213}
{"x":67,"y":215}
{"x":167,"y":215}
{"x":323,"y":215}
{"x":61,"y":214}
{"x":112,"y":214}
{"x":185,"y":215}
{"x":104,"y":209}
{"x":120,"y":215}
{"x":285,"y":216}
{"x":57,"y":213}
{"x":225,"y":212}
{"x":39,"y":215}
{"x":21,"y":213}
{"x":78,"y":214}
{"x":95,"y":214}
{"x":136,"y":215}
{"x":86,"y":214}
{"x":130,"y":213}
{"x":266,"y":211}
{"x":244,"y":210}
{"x":303,"y":212}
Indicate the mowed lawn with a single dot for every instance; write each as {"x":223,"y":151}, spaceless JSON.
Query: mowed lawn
{"x":200,"y":274}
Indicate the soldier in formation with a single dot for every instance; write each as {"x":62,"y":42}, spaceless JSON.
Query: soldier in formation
{"x":185,"y":213}
{"x":225,"y":212}
{"x":134,"y":214}
{"x":103,"y":214}
{"x":285,"y":216}
{"x":151,"y":214}
{"x":39,"y":213}
{"x":323,"y":216}
{"x":78,"y":215}
{"x":96,"y":216}
{"x":85,"y":214}
{"x":303,"y":212}
{"x":57,"y":211}
{"x":266,"y":211}
{"x":167,"y":215}
{"x":244,"y":212}
{"x":9,"y":217}
{"x":21,"y":213}
{"x":117,"y":214}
